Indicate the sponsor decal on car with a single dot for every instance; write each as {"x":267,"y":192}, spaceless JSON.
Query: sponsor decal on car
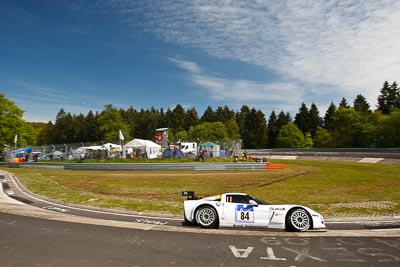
{"x":250,"y":226}
{"x":272,"y":208}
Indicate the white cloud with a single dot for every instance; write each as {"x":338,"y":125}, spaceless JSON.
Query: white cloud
{"x":187,"y":65}
{"x":239,"y":91}
{"x":349,"y":46}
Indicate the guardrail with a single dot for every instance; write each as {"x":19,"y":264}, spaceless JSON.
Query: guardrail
{"x":389,"y":153}
{"x":168,"y":166}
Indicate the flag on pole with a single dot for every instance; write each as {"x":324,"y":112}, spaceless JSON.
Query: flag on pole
{"x":121,"y":136}
{"x":16,"y":139}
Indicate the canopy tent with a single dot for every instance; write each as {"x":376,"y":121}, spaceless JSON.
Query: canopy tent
{"x":100,"y":151}
{"x":212,"y":149}
{"x":151,"y":149}
{"x":106,"y":146}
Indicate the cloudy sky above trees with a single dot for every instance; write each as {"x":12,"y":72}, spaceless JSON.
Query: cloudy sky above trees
{"x":272,"y":55}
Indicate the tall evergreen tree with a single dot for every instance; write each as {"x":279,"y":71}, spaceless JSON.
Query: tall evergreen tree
{"x":302,"y":119}
{"x":209,"y":115}
{"x":255,"y":130}
{"x":64,"y":129}
{"x":162,"y":119}
{"x":361,"y":105}
{"x":191,"y":119}
{"x":383,"y":105}
{"x":177,"y":119}
{"x":79,"y":128}
{"x":343,"y":103}
{"x":261,"y":130}
{"x":129,"y":117}
{"x":315,"y":120}
{"x":396,"y":92}
{"x":93,"y":133}
{"x":272,"y":129}
{"x":46,"y":136}
{"x":283,"y":119}
{"x":146,"y":124}
{"x":329,"y":122}
{"x":223,"y":114}
{"x":389,"y":97}
{"x":241,"y":117}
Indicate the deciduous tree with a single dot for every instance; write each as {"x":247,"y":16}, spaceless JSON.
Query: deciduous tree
{"x":290,"y":136}
{"x":11,"y":124}
{"x":348,"y":127}
{"x":110,"y":123}
{"x":323,"y":139}
{"x":209,"y":131}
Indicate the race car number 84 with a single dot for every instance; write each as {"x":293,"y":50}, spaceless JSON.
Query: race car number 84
{"x":244,"y":213}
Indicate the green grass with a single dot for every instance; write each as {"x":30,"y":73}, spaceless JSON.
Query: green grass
{"x":318,"y":184}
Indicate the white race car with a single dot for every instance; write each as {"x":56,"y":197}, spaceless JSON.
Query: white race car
{"x":244,"y":211}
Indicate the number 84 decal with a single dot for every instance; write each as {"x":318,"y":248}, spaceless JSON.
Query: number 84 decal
{"x":244,"y":213}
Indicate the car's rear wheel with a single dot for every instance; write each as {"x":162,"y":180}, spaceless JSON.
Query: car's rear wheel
{"x":207,"y":217}
{"x":298,"y":220}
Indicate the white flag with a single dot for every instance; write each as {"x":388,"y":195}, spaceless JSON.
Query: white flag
{"x":121,"y":136}
{"x":16,"y":139}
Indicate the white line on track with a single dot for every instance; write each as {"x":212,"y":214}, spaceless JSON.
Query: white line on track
{"x":140,"y":215}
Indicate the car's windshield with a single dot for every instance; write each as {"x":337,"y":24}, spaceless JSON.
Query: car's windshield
{"x":245,"y":199}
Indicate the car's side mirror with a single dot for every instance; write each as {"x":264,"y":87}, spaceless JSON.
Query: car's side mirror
{"x":253,"y":202}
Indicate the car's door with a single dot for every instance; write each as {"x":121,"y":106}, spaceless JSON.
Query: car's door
{"x":239,"y":210}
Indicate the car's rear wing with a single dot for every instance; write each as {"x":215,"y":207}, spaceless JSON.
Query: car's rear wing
{"x":189,"y":194}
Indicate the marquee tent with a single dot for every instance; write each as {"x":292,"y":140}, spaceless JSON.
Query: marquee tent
{"x":152,"y":149}
{"x":109,"y":149}
{"x":106,"y":146}
{"x":213,"y":149}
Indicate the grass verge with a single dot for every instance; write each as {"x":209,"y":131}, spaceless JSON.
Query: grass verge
{"x":332,"y":188}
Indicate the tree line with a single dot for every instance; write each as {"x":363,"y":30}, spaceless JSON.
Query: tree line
{"x":343,"y":125}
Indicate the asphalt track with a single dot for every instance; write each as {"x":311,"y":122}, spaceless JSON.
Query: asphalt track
{"x":28,"y":241}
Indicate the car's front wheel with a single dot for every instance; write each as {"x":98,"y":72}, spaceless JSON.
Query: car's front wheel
{"x":298,"y":220}
{"x":207,"y":217}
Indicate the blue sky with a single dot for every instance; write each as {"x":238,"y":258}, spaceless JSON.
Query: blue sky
{"x":271,"y":55}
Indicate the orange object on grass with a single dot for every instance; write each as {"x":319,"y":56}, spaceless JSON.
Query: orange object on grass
{"x":270,"y":166}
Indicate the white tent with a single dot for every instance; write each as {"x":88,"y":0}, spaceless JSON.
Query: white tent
{"x":84,"y":151}
{"x":106,"y":146}
{"x":152,"y":149}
